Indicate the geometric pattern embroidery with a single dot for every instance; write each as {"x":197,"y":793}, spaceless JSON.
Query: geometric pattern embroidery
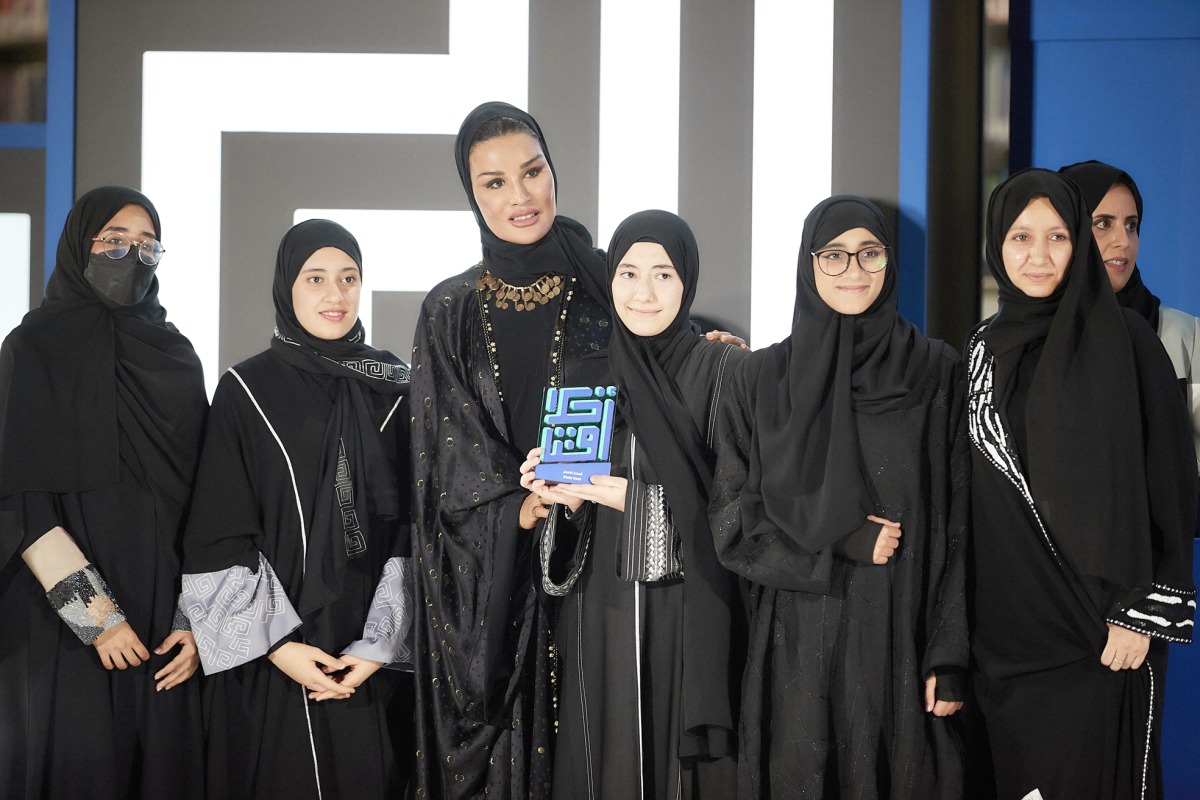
{"x":343,"y":487}
{"x":368,"y":367}
{"x":387,"y":633}
{"x":237,"y":614}
{"x":392,"y":373}
{"x":662,"y":540}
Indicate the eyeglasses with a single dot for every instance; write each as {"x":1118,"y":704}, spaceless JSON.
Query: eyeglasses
{"x":835,"y":262}
{"x":150,"y":252}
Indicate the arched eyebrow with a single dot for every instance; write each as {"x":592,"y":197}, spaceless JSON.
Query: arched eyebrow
{"x":528,"y":163}
{"x":1113,"y":217}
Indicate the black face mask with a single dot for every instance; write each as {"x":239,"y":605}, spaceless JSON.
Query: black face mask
{"x":119,"y":282}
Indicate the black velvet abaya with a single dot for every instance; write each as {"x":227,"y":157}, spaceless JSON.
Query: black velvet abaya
{"x":483,"y":635}
{"x":101,"y":410}
{"x":833,"y":698}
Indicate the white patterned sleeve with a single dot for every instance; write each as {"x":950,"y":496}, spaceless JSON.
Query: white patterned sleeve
{"x":387,"y":634}
{"x":648,"y":548}
{"x":237,"y":615}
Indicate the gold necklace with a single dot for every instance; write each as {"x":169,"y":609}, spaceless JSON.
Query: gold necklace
{"x":523,"y":298}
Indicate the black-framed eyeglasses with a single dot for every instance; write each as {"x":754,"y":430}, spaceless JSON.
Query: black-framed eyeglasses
{"x":872,"y":258}
{"x":150,"y":251}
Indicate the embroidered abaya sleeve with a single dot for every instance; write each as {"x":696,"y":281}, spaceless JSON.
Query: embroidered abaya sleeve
{"x":387,"y":632}
{"x":1165,"y":609}
{"x":772,"y":559}
{"x":237,"y":605}
{"x":647,"y":546}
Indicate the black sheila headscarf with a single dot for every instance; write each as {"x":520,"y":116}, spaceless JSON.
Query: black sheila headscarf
{"x":1095,"y":178}
{"x":1086,"y":460}
{"x":351,"y":434}
{"x":78,"y":372}
{"x":567,"y":248}
{"x":805,"y":475}
{"x":651,"y":402}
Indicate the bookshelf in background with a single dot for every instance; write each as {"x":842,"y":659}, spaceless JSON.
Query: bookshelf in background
{"x":24,"y":28}
{"x":37,"y":115}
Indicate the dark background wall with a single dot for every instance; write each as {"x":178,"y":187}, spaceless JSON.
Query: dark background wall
{"x":265,"y":176}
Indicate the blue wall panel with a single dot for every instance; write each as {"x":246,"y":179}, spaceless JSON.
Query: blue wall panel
{"x":60,"y":124}
{"x":1134,"y":104}
{"x":1115,"y":19}
{"x":914,"y":158}
{"x":1119,"y":81}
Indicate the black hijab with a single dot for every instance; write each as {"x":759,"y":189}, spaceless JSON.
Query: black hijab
{"x":805,"y":475}
{"x":645,"y":368}
{"x":1085,"y":456}
{"x":565,"y":250}
{"x":352,"y":432}
{"x":1095,"y":178}
{"x":78,"y":374}
{"x":648,"y":371}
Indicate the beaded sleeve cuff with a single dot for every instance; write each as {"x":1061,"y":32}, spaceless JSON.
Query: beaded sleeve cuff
{"x":84,"y":602}
{"x":1164,"y":613}
{"x":180,"y":621}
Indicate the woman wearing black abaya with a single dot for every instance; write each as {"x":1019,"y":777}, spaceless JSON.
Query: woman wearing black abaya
{"x":1115,"y":204}
{"x":649,"y":673}
{"x":487,"y":342}
{"x":1083,"y":501}
{"x":296,"y":550}
{"x":841,"y":495}
{"x":101,"y":410}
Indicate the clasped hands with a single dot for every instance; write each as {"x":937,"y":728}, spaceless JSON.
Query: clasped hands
{"x":324,"y":676}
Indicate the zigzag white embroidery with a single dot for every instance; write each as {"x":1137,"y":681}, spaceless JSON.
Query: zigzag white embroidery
{"x":987,"y":430}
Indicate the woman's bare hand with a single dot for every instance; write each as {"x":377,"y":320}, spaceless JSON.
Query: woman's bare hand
{"x":888,"y":541}
{"x":547,"y":493}
{"x":182,"y":666}
{"x":605,"y":490}
{"x":120,"y":648}
{"x":302,"y":663}
{"x":1126,"y":649}
{"x":939,"y":708}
